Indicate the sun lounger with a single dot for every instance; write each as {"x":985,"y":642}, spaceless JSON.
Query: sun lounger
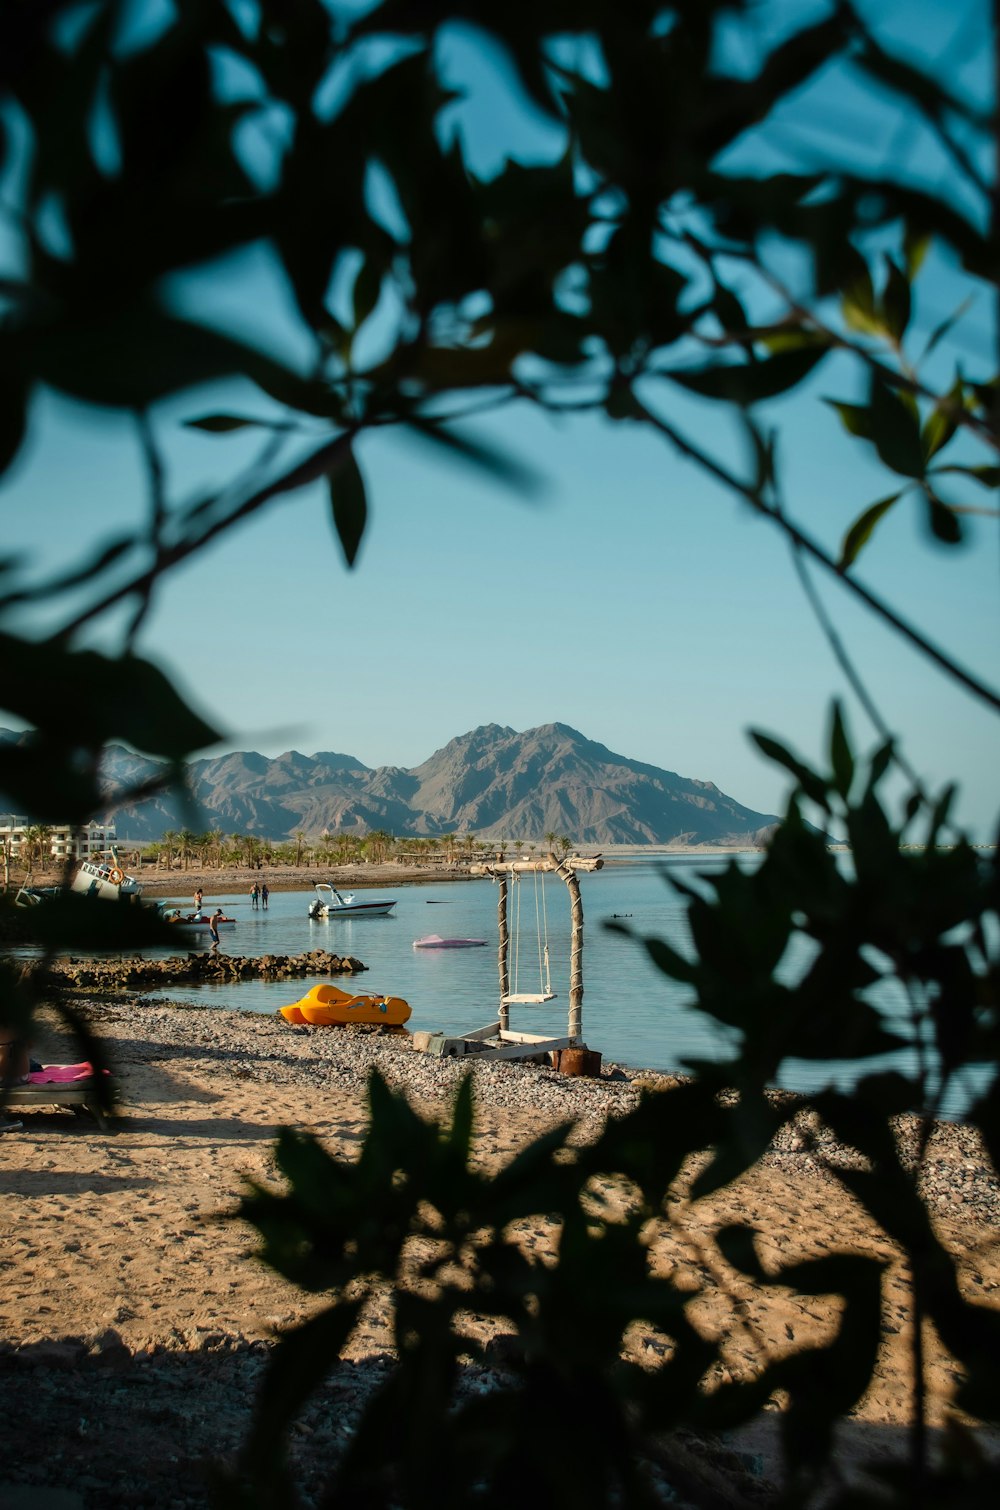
{"x":71,"y":1085}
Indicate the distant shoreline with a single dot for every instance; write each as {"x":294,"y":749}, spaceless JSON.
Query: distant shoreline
{"x":177,"y":882}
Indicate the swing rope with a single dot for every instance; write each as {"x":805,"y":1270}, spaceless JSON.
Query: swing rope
{"x":545,"y":991}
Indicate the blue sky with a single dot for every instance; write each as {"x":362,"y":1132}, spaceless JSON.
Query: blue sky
{"x":631,"y":598}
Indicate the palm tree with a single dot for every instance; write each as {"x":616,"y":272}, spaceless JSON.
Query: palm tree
{"x":30,"y":846}
{"x":378,"y":843}
{"x":550,"y":838}
{"x":44,"y":831}
{"x":300,"y":840}
{"x":167,"y":840}
{"x":565,"y":844}
{"x":185,"y":846}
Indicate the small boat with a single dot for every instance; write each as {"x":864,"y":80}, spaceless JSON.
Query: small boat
{"x":327,"y":1006}
{"x":104,"y":878}
{"x":435,"y":941}
{"x":30,"y":896}
{"x":193,"y":919}
{"x":329,"y":903}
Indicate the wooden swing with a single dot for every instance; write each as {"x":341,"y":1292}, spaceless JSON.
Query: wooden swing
{"x":545,"y":991}
{"x":497,"y":1040}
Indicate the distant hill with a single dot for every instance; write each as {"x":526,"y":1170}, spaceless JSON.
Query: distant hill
{"x":492,"y":781}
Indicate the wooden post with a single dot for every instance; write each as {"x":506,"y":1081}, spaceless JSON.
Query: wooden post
{"x":575,"y":1025}
{"x":502,"y":960}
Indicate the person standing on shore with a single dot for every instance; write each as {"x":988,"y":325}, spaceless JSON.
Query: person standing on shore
{"x":198,"y":897}
{"x":264,"y":894}
{"x":254,"y":896}
{"x":213,"y":928}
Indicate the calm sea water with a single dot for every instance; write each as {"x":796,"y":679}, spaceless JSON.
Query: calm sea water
{"x":631,"y":1013}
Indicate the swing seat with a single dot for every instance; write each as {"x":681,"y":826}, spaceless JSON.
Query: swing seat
{"x":527,"y":998}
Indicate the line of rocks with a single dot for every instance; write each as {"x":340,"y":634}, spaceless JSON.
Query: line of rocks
{"x":123,"y":974}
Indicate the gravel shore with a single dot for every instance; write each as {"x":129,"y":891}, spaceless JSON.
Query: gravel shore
{"x":137,"y":1320}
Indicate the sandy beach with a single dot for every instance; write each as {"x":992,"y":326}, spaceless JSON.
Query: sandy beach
{"x":135,"y":1319}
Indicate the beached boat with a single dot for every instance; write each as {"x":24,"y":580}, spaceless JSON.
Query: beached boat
{"x":330,"y":903}
{"x":435,"y":941}
{"x":105,"y":879}
{"x":30,"y":896}
{"x":327,"y":1006}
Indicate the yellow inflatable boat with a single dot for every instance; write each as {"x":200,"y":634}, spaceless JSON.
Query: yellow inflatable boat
{"x":327,"y":1006}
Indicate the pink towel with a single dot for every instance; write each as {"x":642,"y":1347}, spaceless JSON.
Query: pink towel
{"x":59,"y":1074}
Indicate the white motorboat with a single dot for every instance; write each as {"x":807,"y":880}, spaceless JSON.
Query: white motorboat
{"x":330,"y":903}
{"x":106,"y":879}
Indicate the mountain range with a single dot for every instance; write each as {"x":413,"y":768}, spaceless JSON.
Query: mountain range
{"x":493,"y":782}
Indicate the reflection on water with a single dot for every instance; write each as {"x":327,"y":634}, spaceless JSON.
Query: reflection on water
{"x":631,"y":1013}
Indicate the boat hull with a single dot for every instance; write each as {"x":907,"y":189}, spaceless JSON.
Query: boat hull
{"x":330,"y":903}
{"x":353,"y":910}
{"x":434,"y":942}
{"x":327,"y":1006}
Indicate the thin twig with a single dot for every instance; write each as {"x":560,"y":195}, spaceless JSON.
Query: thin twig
{"x":319,"y":464}
{"x":729,"y":480}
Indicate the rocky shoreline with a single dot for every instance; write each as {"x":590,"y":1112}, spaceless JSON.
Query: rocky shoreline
{"x":124,"y":974}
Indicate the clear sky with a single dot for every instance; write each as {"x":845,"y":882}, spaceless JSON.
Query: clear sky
{"x":630,"y":598}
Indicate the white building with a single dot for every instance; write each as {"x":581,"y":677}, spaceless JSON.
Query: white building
{"x":65,"y":841}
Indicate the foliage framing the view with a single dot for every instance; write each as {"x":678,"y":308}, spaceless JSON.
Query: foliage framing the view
{"x":414,"y":1215}
{"x":640,"y":262}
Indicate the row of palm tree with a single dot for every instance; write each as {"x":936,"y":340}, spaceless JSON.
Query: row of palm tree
{"x":183,"y":849}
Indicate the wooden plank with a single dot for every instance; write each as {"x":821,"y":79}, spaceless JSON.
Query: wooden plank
{"x":525,"y":1050}
{"x":547,"y":862}
{"x":478,"y":1034}
{"x":545,"y":1038}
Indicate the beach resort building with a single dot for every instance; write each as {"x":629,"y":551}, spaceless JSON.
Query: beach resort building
{"x":60,"y":840}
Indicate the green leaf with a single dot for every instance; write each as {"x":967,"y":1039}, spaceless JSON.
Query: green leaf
{"x":812,"y":784}
{"x":134,"y":355}
{"x":855,"y":418}
{"x":896,"y":301}
{"x":858,"y":304}
{"x":220,"y":424}
{"x":349,"y":505}
{"x":367,"y":288}
{"x":751,"y":382}
{"x":944,"y":522}
{"x":916,"y":242}
{"x":13,"y":417}
{"x":99,"y":697}
{"x":498,"y":464}
{"x":896,"y":430}
{"x":986,"y":476}
{"x":942,"y":422}
{"x":940,"y":331}
{"x":861,"y":530}
{"x":841,"y":756}
{"x":460,"y":1136}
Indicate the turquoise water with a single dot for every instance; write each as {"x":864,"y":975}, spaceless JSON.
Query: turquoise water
{"x":631,"y":1013}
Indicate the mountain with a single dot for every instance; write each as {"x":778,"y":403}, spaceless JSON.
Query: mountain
{"x":492,"y":781}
